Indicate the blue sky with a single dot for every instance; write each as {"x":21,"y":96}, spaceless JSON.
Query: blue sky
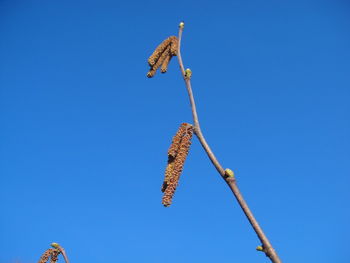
{"x":84,"y":133}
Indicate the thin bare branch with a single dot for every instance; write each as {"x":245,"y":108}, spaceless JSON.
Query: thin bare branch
{"x":231,"y":181}
{"x":64,"y":254}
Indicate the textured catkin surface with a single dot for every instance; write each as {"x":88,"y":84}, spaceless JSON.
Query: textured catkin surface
{"x":54,"y":256}
{"x":177,"y":155}
{"x":173,"y":45}
{"x":175,"y":144}
{"x":162,"y":55}
{"x":158,"y":52}
{"x":165,"y":63}
{"x":51,"y":252}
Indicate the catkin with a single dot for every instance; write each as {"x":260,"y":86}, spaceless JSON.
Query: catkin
{"x":176,"y":140}
{"x":162,"y":55}
{"x":165,"y":64}
{"x":169,"y":192}
{"x":161,"y":59}
{"x":54,"y":256}
{"x":173,"y":46}
{"x":51,"y":252}
{"x":168,"y":175}
{"x":151,"y":73}
{"x":158,"y":52}
{"x":177,"y":154}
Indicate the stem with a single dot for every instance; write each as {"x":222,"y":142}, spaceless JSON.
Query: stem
{"x":231,"y":181}
{"x":63,"y":252}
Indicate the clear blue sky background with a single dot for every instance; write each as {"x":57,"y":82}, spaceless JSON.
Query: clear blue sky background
{"x":84,"y":133}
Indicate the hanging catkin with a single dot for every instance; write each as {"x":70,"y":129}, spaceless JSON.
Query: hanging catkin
{"x":51,"y":253}
{"x":165,"y":63}
{"x":174,"y":46}
{"x":162,"y":55}
{"x":158,"y":52}
{"x":177,"y":154}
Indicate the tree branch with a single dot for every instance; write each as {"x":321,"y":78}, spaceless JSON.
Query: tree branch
{"x":230,"y":180}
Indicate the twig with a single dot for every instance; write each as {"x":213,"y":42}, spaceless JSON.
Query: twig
{"x":230,"y":180}
{"x":64,"y":254}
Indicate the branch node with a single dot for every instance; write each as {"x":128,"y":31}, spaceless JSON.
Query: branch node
{"x":229,"y":173}
{"x":188,"y":73}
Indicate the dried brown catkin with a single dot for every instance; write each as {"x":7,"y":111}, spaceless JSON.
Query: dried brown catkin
{"x":173,"y":52}
{"x":169,"y":192}
{"x":159,"y":62}
{"x":51,"y":252}
{"x":176,"y":161}
{"x":177,"y":139}
{"x":165,"y":64}
{"x":54,"y":256}
{"x":45,"y":256}
{"x":162,"y":55}
{"x":161,"y":59}
{"x":173,"y":182}
{"x":158,"y":52}
{"x":172,"y":151}
{"x":151,"y":73}
{"x":168,"y":173}
{"x":173,"y":46}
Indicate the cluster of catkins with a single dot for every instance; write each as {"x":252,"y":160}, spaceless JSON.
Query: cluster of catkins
{"x":177,"y":154}
{"x":162,"y":56}
{"x":51,"y":253}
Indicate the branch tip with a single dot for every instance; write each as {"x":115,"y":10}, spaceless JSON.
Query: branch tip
{"x":182,"y":24}
{"x":55,"y":245}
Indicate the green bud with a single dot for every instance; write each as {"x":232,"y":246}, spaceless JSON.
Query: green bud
{"x":259,"y":248}
{"x":55,"y":245}
{"x":188,"y":73}
{"x":229,"y":173}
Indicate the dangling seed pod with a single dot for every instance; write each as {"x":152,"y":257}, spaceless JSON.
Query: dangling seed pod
{"x":177,"y":154}
{"x":162,"y":56}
